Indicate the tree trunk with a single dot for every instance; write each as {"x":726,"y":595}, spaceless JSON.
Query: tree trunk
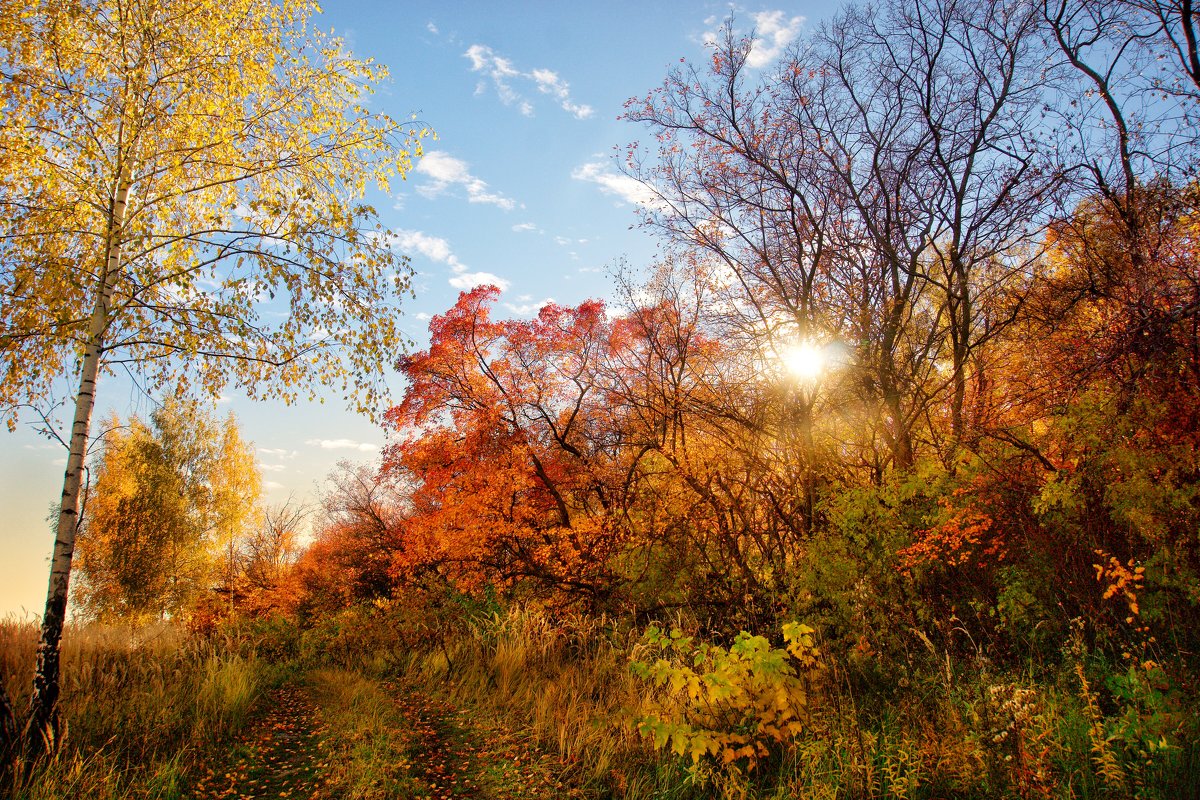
{"x":42,"y":726}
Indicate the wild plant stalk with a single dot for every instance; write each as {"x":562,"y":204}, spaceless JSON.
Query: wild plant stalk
{"x":139,"y":707}
{"x":975,"y":733}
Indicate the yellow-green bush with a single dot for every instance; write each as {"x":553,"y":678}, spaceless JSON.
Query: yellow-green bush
{"x":730,"y":704}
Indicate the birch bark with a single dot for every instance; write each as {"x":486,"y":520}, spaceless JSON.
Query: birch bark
{"x":42,"y":727}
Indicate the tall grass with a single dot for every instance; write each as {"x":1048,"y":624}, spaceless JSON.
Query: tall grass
{"x":138,"y":706}
{"x":370,"y":750}
{"x":968,"y":732}
{"x":565,"y":683}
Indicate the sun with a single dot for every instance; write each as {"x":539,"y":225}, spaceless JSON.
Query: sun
{"x":805,"y":360}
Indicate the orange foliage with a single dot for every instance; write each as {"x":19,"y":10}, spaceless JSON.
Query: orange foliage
{"x":543,"y":453}
{"x":507,"y":435}
{"x":1121,"y":579}
{"x":964,"y":534}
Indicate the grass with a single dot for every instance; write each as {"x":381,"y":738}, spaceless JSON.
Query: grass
{"x":522,"y":705}
{"x":971,"y":732}
{"x":384,"y":739}
{"x":568,"y":688}
{"x":139,"y":707}
{"x":370,"y":750}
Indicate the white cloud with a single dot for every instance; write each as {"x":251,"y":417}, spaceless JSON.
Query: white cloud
{"x":773,"y":32}
{"x":278,"y":452}
{"x":322,"y":334}
{"x":549,"y":82}
{"x":614,"y":183}
{"x":423,"y":316}
{"x":526,"y":306}
{"x":501,"y":71}
{"x":525,"y":227}
{"x":273,"y":485}
{"x":504,"y":75}
{"x":272,"y":467}
{"x":432,"y":28}
{"x":469,"y":280}
{"x":432,"y":247}
{"x":437,"y":249}
{"x":444,"y":171}
{"x":342,"y":444}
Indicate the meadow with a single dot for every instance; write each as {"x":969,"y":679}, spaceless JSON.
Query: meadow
{"x":529,"y":700}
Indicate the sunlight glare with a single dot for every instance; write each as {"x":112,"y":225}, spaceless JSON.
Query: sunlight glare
{"x":805,"y":360}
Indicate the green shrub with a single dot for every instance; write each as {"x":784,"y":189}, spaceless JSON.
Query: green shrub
{"x":730,"y":704}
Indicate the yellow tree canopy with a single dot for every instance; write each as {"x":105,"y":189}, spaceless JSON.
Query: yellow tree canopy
{"x":203,"y":163}
{"x":168,"y":495}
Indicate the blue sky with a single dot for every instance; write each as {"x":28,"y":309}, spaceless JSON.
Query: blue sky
{"x":519,"y":190}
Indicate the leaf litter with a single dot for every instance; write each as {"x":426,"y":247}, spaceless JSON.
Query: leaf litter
{"x":288,"y":753}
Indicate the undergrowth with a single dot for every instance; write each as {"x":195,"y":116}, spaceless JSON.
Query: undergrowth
{"x":620,"y":712}
{"x":1084,"y":727}
{"x":139,"y":707}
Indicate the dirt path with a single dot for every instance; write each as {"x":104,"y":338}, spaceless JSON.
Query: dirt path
{"x":374,"y":740}
{"x":444,"y":760}
{"x":466,"y":757}
{"x":278,"y":756}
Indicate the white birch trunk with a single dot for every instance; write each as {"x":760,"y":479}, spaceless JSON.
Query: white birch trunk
{"x":42,"y":727}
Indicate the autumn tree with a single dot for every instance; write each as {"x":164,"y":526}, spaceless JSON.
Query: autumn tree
{"x":635,"y":461}
{"x":984,"y":205}
{"x":1091,"y":427}
{"x":165,"y":499}
{"x":879,"y":188}
{"x":267,"y":553}
{"x":181,"y":194}
{"x":235,"y":491}
{"x":503,"y":431}
{"x":358,"y":529}
{"x":1112,"y":151}
{"x":1105,"y":411}
{"x":1131,"y":119}
{"x":362,"y":511}
{"x":974,"y":78}
{"x":722,"y":466}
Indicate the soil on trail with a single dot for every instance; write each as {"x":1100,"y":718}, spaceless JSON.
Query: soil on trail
{"x":443,"y":760}
{"x":278,"y":756}
{"x":434,"y":752}
{"x":462,"y":756}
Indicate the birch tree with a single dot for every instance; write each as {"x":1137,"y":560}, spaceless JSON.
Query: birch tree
{"x":235,"y":483}
{"x":181,"y":187}
{"x":169,"y":500}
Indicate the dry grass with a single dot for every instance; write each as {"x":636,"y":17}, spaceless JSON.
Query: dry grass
{"x":138,"y":706}
{"x":970,"y":734}
{"x":566,"y":684}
